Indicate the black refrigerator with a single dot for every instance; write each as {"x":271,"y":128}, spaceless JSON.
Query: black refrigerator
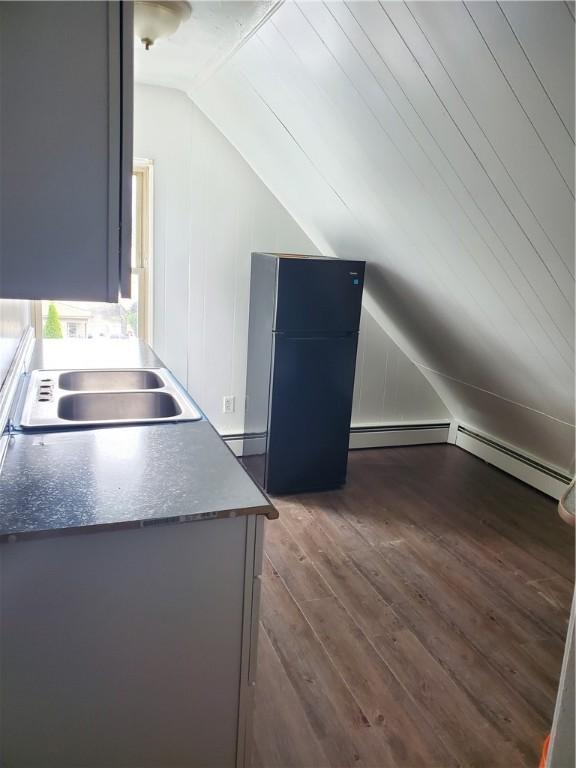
{"x":302,"y":341}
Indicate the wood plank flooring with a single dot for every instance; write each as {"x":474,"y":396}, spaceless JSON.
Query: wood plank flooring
{"x":415,"y":618}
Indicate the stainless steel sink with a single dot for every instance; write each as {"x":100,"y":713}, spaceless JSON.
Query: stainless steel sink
{"x":65,"y":399}
{"x":109,"y":381}
{"x":117,"y":406}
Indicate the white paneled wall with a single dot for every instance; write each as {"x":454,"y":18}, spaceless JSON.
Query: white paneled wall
{"x":14,"y":319}
{"x":210,"y":212}
{"x":435,"y":139}
{"x":389,"y":388}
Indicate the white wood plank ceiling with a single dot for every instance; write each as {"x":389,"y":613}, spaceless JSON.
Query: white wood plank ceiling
{"x":436,"y":140}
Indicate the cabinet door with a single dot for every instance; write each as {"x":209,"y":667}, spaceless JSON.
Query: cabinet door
{"x":65,"y":149}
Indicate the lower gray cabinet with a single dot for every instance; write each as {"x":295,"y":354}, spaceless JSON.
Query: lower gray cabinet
{"x":130,"y":648}
{"x":66,"y":83}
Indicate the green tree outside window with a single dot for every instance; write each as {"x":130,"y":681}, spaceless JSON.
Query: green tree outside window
{"x":53,"y":326}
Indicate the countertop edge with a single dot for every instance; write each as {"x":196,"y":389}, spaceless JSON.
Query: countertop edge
{"x":267,"y":510}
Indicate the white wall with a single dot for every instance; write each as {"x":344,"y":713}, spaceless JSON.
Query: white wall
{"x":14,"y":318}
{"x":210,"y":212}
{"x":435,"y":139}
{"x":389,"y":388}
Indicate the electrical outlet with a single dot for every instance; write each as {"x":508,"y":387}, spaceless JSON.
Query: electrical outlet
{"x":228,"y":404}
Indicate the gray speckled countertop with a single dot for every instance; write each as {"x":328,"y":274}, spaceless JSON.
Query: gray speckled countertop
{"x":118,"y":476}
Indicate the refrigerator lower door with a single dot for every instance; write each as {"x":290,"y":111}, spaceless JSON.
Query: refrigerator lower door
{"x":310,"y":411}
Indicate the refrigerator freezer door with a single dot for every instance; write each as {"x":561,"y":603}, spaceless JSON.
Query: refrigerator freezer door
{"x":320,"y":297}
{"x":311,"y":404}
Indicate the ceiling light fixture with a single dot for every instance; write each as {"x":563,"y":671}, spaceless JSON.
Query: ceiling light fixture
{"x":157,"y":18}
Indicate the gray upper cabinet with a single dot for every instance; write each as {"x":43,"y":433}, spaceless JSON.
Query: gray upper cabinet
{"x":66,"y":102}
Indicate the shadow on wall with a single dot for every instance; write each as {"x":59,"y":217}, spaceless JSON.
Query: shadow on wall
{"x":457,"y":350}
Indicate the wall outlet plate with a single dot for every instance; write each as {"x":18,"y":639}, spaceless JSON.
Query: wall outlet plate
{"x":228,"y":404}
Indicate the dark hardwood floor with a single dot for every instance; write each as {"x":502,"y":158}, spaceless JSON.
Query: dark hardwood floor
{"x":415,"y":617}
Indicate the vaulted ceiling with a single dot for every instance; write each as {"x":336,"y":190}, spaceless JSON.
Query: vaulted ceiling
{"x":435,"y":140}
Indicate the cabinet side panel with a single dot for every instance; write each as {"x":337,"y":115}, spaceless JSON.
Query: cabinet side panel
{"x":123,"y":649}
{"x":54,"y":184}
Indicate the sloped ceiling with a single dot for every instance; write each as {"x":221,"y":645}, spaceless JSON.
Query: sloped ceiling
{"x":436,"y":140}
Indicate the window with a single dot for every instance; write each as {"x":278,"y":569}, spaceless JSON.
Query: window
{"x":130,"y":317}
{"x":141,"y":247}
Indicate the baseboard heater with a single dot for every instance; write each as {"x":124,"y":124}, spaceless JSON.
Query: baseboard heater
{"x":544,"y":477}
{"x":377,"y":436}
{"x":390,"y":435}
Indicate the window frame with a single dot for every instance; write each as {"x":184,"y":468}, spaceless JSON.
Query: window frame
{"x":142,"y":247}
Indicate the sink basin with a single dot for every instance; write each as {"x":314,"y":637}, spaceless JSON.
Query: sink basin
{"x":82,"y":398}
{"x":109,"y":381}
{"x":118,"y":406}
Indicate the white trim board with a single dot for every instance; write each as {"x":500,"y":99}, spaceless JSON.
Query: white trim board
{"x":548,"y":479}
{"x":235,"y":443}
{"x":379,"y":436}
